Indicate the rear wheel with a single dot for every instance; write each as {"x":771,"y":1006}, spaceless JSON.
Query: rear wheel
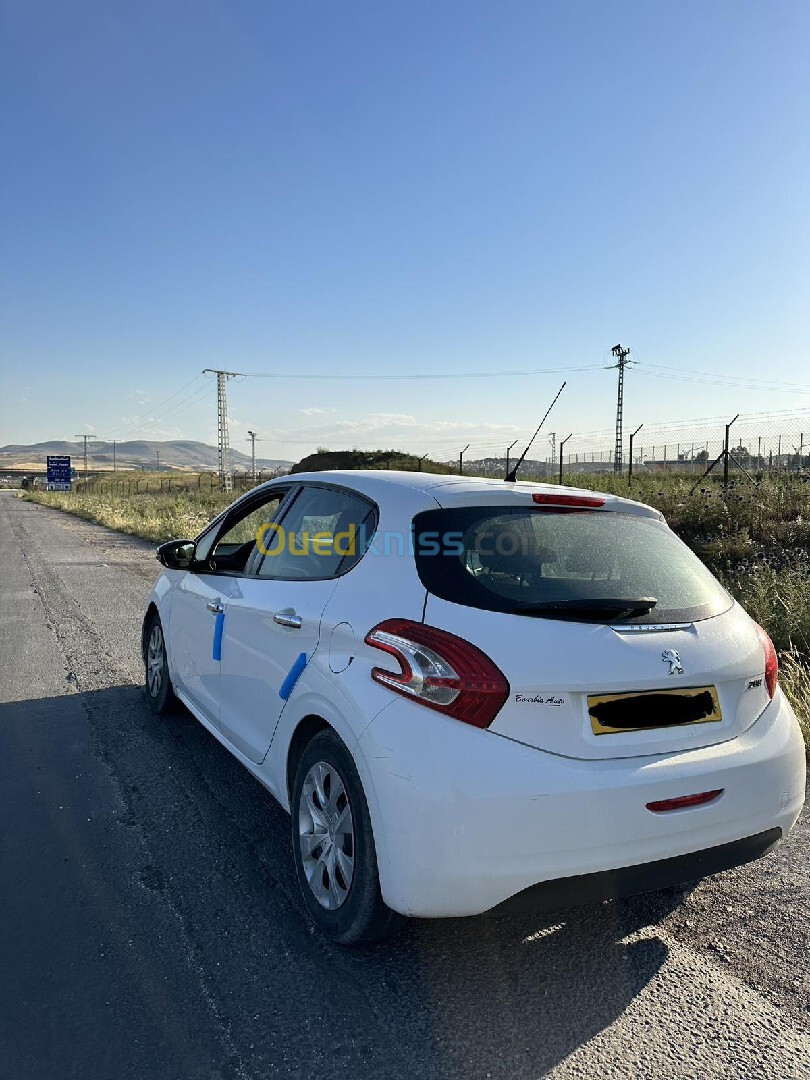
{"x":333,"y":846}
{"x":159,"y":691}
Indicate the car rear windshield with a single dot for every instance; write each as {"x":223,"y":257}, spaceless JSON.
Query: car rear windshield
{"x":597,"y":566}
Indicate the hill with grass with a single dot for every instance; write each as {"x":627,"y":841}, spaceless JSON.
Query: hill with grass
{"x":368,"y":459}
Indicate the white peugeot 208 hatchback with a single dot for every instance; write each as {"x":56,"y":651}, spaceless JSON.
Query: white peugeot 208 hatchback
{"x":476,"y":695}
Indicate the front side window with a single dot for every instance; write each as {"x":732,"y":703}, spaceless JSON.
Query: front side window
{"x":229,"y":546}
{"x":592,"y":565}
{"x":324,"y":533}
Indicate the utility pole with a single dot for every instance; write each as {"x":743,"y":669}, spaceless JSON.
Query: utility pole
{"x":553,"y":440}
{"x":86,"y":437}
{"x":508,"y":451}
{"x":622,"y":361}
{"x":225,"y":482}
{"x":157,"y":455}
{"x":115,"y":469}
{"x":630,"y":462}
{"x":461,"y":460}
{"x":253,"y":436}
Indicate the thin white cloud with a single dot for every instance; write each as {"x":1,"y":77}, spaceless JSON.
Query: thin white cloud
{"x":393,"y":429}
{"x":315,"y":411}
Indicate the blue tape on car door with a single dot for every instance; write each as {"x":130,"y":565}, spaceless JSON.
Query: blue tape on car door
{"x":218,"y":625}
{"x":293,"y":675}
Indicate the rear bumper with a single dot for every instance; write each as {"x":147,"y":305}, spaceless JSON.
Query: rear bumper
{"x":466,"y":819}
{"x":632,"y":880}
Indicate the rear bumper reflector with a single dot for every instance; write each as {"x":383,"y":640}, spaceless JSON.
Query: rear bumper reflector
{"x":663,"y":806}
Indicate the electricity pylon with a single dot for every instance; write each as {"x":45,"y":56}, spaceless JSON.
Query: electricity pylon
{"x":225,"y":481}
{"x":622,"y":361}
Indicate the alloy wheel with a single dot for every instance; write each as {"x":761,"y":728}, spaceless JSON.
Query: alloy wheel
{"x":155,"y":661}
{"x":326,"y":835}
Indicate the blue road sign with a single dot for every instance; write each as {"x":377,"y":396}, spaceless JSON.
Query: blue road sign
{"x":58,"y":472}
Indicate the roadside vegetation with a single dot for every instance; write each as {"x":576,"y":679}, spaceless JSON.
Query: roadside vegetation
{"x":158,"y":517}
{"x":755,"y":537}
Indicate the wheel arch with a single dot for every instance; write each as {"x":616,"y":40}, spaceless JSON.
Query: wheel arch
{"x":305,"y":731}
{"x":151,"y":611}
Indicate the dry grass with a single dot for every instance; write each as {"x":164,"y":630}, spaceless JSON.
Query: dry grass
{"x":794,"y":678}
{"x":151,"y":517}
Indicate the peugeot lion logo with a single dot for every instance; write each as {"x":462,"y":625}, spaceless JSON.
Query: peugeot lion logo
{"x":673,"y":658}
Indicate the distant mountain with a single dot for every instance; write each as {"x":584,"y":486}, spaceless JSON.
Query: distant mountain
{"x":173,"y":454}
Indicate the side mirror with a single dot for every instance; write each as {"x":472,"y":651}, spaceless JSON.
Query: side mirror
{"x":177,"y":554}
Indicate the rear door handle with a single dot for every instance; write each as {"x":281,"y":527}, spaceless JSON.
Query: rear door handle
{"x":215,"y":607}
{"x":288,"y":618}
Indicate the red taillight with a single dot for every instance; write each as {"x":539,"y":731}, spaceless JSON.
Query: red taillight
{"x":583,"y":502}
{"x":663,"y":805}
{"x":439,"y":670}
{"x":771,"y":661}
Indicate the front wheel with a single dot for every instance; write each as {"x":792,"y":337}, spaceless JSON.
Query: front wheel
{"x":159,"y":691}
{"x":333,"y":847}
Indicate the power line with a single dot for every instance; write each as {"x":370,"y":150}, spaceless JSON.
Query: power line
{"x":133,"y":424}
{"x":194,"y":398}
{"x":738,"y":382}
{"x":425,"y":375}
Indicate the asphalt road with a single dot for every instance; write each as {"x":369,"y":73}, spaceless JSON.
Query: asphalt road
{"x":152,"y":927}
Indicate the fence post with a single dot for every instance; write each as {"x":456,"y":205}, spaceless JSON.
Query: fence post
{"x":562,"y":444}
{"x":630,"y":462}
{"x":725,"y":454}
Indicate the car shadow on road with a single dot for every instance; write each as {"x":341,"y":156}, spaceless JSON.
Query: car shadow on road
{"x":498,"y":996}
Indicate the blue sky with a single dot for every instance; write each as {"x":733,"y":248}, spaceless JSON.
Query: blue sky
{"x":387,"y":189}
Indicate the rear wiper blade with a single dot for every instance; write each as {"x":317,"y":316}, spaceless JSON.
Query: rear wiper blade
{"x":608,"y":605}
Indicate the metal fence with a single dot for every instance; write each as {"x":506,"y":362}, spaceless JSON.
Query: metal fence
{"x":127,"y":483}
{"x":738,"y":444}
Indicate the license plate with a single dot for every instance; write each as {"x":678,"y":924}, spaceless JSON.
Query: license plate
{"x":650,"y":710}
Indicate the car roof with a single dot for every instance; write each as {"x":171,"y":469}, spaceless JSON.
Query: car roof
{"x":448,"y":490}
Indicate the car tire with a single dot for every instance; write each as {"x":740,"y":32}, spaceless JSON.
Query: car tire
{"x":333,"y":847}
{"x":159,"y":692}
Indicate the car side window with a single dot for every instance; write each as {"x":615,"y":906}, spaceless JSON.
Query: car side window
{"x":229,"y":550}
{"x":323,"y":534}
